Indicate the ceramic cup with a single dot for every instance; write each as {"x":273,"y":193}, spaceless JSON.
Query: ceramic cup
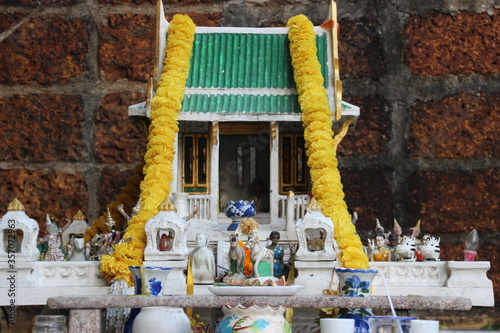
{"x":336,"y":325}
{"x":424,"y":326}
{"x":380,"y":324}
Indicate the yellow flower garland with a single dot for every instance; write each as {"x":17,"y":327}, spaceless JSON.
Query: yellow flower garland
{"x":158,"y":171}
{"x":321,"y":147}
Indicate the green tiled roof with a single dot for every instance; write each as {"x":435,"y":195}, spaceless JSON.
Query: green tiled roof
{"x":244,"y":73}
{"x":203,"y":103}
{"x":231,"y":60}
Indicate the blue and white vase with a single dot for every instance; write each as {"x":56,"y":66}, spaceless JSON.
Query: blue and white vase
{"x":136,"y":275}
{"x":356,"y":283}
{"x":158,"y":319}
{"x":238,"y":210}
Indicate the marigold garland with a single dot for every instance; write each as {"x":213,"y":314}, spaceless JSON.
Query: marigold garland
{"x":158,"y":171}
{"x":318,"y":135}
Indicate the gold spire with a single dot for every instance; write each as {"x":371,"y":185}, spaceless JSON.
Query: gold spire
{"x":79,"y":216}
{"x":110,"y":223}
{"x":166,"y":206}
{"x":313,"y":205}
{"x":15,"y":205}
{"x":291,"y":194}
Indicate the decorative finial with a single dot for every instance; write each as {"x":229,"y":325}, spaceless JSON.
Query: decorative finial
{"x":291,"y":194}
{"x":313,"y":205}
{"x":15,"y":205}
{"x":110,"y":223}
{"x":79,"y":216}
{"x":166,"y":206}
{"x":379,"y":228}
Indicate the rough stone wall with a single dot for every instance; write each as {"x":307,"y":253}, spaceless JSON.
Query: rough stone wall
{"x":426,"y":75}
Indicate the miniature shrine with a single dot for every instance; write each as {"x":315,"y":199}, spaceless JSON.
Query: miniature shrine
{"x":239,"y":172}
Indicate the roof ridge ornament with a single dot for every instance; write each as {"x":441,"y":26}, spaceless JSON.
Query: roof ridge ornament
{"x":166,"y":206}
{"x":15,"y":205}
{"x":79,"y":215}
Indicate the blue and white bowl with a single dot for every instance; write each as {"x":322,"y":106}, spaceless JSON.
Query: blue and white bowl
{"x":240,"y":209}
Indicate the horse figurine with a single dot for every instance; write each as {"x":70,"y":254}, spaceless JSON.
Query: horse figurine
{"x":236,"y":256}
{"x":430,"y":249}
{"x":405,"y":251}
{"x":258,"y":254}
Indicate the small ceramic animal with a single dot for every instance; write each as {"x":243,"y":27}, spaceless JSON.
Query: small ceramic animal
{"x":259,"y":254}
{"x":430,"y":249}
{"x":405,"y":251}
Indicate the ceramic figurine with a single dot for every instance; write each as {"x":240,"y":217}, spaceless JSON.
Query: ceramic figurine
{"x":377,"y":248}
{"x":103,"y":243}
{"x":202,"y":261}
{"x":405,"y":250}
{"x":315,"y":239}
{"x":397,"y":230}
{"x":76,"y":248}
{"x":53,"y":240}
{"x":112,"y":237}
{"x":430,"y":250}
{"x":262,"y":259}
{"x":279,"y":253}
{"x":166,"y":241}
{"x":392,"y":243}
{"x":236,"y":260}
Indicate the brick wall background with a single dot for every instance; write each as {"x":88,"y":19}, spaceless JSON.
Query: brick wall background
{"x":425,"y":74}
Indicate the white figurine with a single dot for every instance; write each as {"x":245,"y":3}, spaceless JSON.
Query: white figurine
{"x":430,"y":249}
{"x":202,"y":261}
{"x":405,"y":250}
{"x":76,"y":248}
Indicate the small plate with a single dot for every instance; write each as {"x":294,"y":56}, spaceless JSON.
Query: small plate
{"x":255,"y":291}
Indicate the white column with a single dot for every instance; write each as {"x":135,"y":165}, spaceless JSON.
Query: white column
{"x":273,"y":172}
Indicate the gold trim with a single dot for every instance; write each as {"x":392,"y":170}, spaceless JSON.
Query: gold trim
{"x":156,"y":68}
{"x":166,"y":206}
{"x":79,"y":216}
{"x":231,"y":128}
{"x":215,"y":133}
{"x":293,"y":184}
{"x":15,"y":205}
{"x":313,"y":205}
{"x":195,"y":161}
{"x":274,"y":131}
{"x":336,"y":63}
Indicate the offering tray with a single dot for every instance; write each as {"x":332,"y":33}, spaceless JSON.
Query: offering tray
{"x":238,"y":290}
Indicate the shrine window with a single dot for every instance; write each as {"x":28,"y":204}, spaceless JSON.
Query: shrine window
{"x":293,"y":164}
{"x":195,"y":168}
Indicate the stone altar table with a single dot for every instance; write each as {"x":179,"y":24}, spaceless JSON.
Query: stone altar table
{"x":87,"y":312}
